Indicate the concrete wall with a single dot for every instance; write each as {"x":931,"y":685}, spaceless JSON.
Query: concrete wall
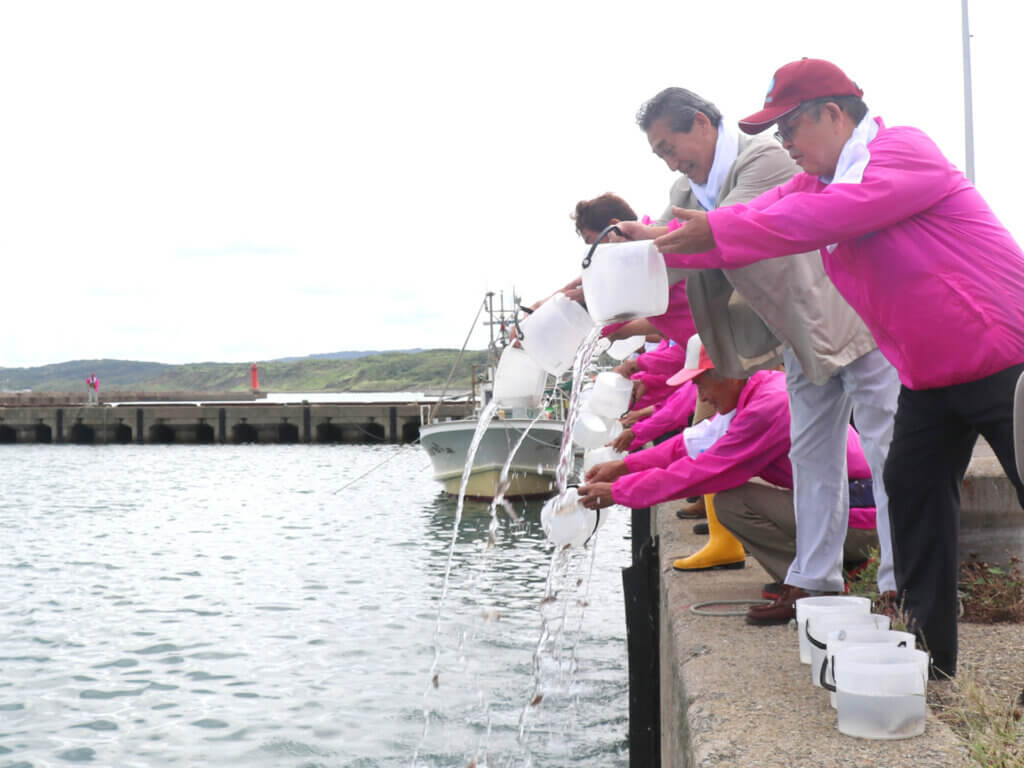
{"x":217,"y":423}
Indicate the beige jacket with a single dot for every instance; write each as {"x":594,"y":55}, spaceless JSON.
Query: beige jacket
{"x":791,"y":297}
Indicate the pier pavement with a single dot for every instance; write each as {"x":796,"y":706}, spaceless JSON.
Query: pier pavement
{"x":736,"y":696}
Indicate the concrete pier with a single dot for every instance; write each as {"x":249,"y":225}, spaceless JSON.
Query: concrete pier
{"x":219,"y":422}
{"x":733,"y":695}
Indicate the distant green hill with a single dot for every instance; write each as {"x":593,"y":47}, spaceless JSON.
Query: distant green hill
{"x":383,"y":372}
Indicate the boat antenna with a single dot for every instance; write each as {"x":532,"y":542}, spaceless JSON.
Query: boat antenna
{"x":458,"y":359}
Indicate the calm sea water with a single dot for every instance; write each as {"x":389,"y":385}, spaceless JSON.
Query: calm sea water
{"x":225,"y":606}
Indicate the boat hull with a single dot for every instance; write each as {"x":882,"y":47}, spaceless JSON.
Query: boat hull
{"x":531,"y":474}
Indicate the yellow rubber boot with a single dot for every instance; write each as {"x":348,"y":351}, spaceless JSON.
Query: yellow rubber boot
{"x":723,"y":550}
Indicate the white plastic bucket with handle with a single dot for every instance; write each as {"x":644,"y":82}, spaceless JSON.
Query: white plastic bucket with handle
{"x":811,"y":606}
{"x":624,"y":281}
{"x":880,"y":692}
{"x":553,"y":332}
{"x":566,"y":522}
{"x":596,"y":456}
{"x":858,"y":637}
{"x":518,"y":380}
{"x":592,"y":431}
{"x":623,"y":348}
{"x":610,"y":395}
{"x":817,"y":628}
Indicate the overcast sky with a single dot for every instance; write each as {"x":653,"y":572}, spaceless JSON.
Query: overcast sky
{"x":236,"y":181}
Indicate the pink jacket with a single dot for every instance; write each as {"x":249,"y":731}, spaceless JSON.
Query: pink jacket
{"x":677,"y":322}
{"x":657,"y":390}
{"x":920,"y":257}
{"x":757,"y":444}
{"x":666,"y":360}
{"x":673,"y":413}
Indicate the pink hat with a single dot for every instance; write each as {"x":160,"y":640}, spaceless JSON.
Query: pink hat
{"x":697,"y":361}
{"x":795,"y":83}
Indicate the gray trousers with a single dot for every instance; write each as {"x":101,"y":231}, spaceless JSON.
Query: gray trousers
{"x":819,"y":417}
{"x":763,"y":518}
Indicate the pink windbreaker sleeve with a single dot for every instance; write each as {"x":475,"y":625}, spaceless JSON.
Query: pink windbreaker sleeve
{"x":657,"y":390}
{"x":664,"y":361}
{"x":674,"y":413}
{"x":677,"y":322}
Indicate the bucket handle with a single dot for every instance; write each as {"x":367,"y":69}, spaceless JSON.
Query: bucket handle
{"x":597,"y":516}
{"x":821,"y":679}
{"x":515,"y":321}
{"x":590,"y":254}
{"x":811,"y":640}
{"x":824,"y":667}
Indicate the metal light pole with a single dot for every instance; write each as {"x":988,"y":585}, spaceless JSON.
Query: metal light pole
{"x":968,"y":108}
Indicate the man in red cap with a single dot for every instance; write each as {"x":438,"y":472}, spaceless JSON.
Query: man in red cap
{"x":917,"y":252}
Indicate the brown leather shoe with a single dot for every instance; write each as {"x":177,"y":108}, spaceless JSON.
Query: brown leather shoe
{"x":778,"y":611}
{"x":694,"y":511}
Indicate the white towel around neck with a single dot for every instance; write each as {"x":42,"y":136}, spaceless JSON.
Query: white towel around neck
{"x":727,"y":149}
{"x":854,"y":157}
{"x":702,"y":436}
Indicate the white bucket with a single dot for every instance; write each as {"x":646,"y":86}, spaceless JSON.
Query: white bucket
{"x":518,"y":380}
{"x":610,"y":396}
{"x":810,"y":606}
{"x":596,"y":456}
{"x":880,"y":692}
{"x":817,"y":628}
{"x":567,"y":522}
{"x":624,"y":281}
{"x":553,"y":332}
{"x":857,"y":638}
{"x":592,"y":431}
{"x":623,"y":348}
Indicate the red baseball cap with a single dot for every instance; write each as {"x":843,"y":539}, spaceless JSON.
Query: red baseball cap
{"x":697,"y":361}
{"x":795,"y":83}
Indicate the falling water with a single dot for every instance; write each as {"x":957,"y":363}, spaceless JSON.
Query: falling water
{"x":562,"y":584}
{"x":503,"y":478}
{"x":486,"y":415}
{"x":584,"y":355}
{"x":568,"y":580}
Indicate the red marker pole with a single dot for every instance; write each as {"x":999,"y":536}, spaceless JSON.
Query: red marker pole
{"x":255,"y":374}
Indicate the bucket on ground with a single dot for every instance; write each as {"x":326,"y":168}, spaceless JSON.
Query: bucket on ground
{"x":810,"y":606}
{"x":817,"y":629}
{"x":880,"y":692}
{"x":858,"y":638}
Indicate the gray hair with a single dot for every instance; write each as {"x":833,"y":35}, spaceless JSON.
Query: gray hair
{"x":679,"y":106}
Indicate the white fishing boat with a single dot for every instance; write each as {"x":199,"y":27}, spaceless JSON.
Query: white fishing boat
{"x":531,"y":474}
{"x":447,"y":443}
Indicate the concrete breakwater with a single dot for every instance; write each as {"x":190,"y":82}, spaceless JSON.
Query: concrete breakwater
{"x":219,"y":422}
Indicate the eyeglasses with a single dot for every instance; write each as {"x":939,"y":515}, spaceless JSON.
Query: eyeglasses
{"x":788,"y":127}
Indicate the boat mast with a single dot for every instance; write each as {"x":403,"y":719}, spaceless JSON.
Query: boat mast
{"x":968,"y":108}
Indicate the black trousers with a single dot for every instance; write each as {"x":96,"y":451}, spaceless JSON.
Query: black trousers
{"x":933,"y":437}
